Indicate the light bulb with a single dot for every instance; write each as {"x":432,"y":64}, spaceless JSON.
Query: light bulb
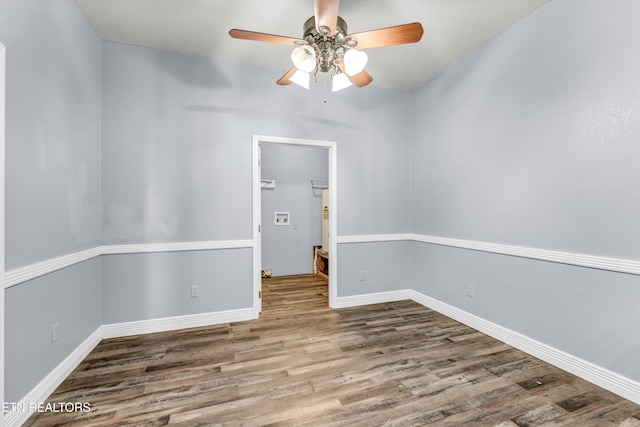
{"x":304,"y":58}
{"x":301,"y":78}
{"x":354,"y":61}
{"x":340,"y":81}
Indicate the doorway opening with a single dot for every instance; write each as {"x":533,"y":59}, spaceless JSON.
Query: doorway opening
{"x":330,"y":184}
{"x":2,"y":233}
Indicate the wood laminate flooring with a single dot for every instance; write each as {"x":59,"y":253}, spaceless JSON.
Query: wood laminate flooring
{"x":302,"y":363}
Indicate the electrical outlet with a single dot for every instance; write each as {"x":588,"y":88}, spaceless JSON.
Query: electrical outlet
{"x":470,"y":290}
{"x":195,"y":291}
{"x":363,"y":275}
{"x":55,"y":332}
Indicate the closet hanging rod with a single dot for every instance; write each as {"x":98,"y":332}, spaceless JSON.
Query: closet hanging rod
{"x":268,"y":183}
{"x":319,"y":184}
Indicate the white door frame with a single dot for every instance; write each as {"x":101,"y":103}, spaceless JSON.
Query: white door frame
{"x":257,"y":213}
{"x":2,"y":233}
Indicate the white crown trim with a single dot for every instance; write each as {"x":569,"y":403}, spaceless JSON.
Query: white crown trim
{"x":175,"y":247}
{"x":617,"y":265}
{"x":582,"y":260}
{"x":370,"y":238}
{"x":32,"y":271}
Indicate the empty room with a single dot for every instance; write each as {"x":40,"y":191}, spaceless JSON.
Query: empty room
{"x":312,"y":212}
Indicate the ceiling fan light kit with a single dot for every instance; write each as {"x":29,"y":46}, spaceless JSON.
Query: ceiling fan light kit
{"x":319,"y":51}
{"x":326,"y":47}
{"x":339,"y":82}
{"x":304,"y":58}
{"x":301,"y":78}
{"x":354,"y":61}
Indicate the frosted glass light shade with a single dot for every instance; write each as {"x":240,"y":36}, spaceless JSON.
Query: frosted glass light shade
{"x":354,"y":61}
{"x":340,"y":81}
{"x":301,"y":78}
{"x":304,"y":58}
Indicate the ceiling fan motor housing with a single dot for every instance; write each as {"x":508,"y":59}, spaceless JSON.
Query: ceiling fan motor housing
{"x":329,"y":49}
{"x":309,"y":29}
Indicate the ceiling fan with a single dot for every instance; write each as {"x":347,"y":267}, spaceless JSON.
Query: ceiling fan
{"x":327,"y":47}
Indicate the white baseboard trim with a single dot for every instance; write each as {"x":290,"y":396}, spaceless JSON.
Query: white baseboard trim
{"x":174,"y":323}
{"x":622,"y":386}
{"x":604,"y":378}
{"x":375,"y":298}
{"x":43,"y":390}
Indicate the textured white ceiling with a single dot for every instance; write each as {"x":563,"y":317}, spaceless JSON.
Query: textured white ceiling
{"x":452,"y":28}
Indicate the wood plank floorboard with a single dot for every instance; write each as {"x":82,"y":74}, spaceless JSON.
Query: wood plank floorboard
{"x":304,"y":364}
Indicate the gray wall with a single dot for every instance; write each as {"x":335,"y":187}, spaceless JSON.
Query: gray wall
{"x":173,"y":167}
{"x":69,"y":297}
{"x":177,"y":132}
{"x":158,"y":285}
{"x":176,"y":158}
{"x":288,"y":249}
{"x":532,"y":140}
{"x":53,"y":131}
{"x":52,"y":182}
{"x":386,"y":266}
{"x":114,"y":144}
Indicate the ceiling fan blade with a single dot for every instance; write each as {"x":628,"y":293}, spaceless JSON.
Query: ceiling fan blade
{"x":400,"y":34}
{"x":326,"y":13}
{"x":263,"y":37}
{"x":284,"y":80}
{"x":361,"y":79}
